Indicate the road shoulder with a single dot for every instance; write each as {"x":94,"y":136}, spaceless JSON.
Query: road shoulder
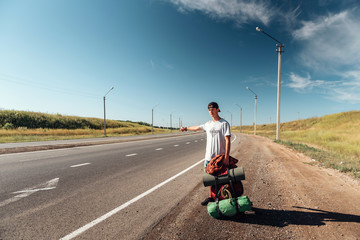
{"x":292,"y":199}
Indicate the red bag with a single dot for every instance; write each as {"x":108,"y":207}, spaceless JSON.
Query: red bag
{"x":225,"y":191}
{"x":217,"y":168}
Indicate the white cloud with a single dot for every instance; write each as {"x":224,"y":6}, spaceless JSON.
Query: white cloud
{"x":289,"y":17}
{"x":310,"y":29}
{"x":330,"y":43}
{"x":240,"y":11}
{"x":167,"y":65}
{"x":349,"y":90}
{"x":299,"y":83}
{"x":162,"y":65}
{"x":343,"y":95}
{"x":353,"y":78}
{"x":152,"y":64}
{"x":330,"y":46}
{"x":346,"y":89}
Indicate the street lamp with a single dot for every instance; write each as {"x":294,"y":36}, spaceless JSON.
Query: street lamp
{"x":152,"y":118}
{"x":240,"y":115}
{"x":171,"y":122}
{"x":231,"y":118}
{"x":105,"y":111}
{"x":255,"y":108}
{"x":279,"y":50}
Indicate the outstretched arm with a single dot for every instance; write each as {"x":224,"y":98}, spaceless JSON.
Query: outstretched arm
{"x":193,"y":128}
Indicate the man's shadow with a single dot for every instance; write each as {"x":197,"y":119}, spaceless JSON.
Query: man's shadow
{"x":282,"y":218}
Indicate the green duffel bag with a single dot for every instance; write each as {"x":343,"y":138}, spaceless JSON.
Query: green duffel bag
{"x":228,"y":207}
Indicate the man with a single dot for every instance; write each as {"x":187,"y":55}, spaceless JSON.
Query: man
{"x":217,"y":140}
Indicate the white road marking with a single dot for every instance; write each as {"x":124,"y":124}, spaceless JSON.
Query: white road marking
{"x":118,"y":209}
{"x":158,"y":149}
{"x":188,"y":143}
{"x":80,"y":165}
{"x":41,"y":158}
{"x":176,"y":145}
{"x":80,"y":147}
{"x":28,"y":191}
{"x":130,"y":155}
{"x":233,"y":139}
{"x":196,"y":140}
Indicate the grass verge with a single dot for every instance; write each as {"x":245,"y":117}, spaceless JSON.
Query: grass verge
{"x":346,"y":164}
{"x":35,"y":135}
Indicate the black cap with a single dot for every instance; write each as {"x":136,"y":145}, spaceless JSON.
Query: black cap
{"x":213,"y":105}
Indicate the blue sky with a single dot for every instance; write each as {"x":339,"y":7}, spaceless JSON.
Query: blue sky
{"x":178,"y":55}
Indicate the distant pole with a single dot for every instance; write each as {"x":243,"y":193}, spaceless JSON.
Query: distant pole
{"x":240,"y":116}
{"x":255,"y":114}
{"x":279,"y":50}
{"x":171,"y":122}
{"x":105,"y":111}
{"x":230,"y":118}
{"x":152,"y":118}
{"x":255,"y":108}
{"x":279,"y":47}
{"x":104,"y":119}
{"x":240,"y":120}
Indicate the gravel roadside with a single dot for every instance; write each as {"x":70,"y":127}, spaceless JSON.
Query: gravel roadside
{"x":292,"y":199}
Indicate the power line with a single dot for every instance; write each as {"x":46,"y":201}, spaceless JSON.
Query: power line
{"x":44,"y":86}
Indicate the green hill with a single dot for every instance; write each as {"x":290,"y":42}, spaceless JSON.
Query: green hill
{"x":21,"y":119}
{"x":21,"y":126}
{"x":332,"y":139}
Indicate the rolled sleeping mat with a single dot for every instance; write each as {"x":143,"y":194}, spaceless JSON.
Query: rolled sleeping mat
{"x":236,"y":175}
{"x":228,"y":208}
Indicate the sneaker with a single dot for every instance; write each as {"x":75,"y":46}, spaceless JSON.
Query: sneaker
{"x":206,"y":201}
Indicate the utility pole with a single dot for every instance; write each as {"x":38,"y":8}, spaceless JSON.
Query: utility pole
{"x":171,"y":122}
{"x":240,"y":116}
{"x":255,"y":108}
{"x":105,"y":111}
{"x":152,"y":118}
{"x":279,"y":48}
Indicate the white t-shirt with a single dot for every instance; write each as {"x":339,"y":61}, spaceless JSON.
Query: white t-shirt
{"x":215,"y":142}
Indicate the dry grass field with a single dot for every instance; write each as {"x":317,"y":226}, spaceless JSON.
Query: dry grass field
{"x":332,"y":140}
{"x":21,"y":126}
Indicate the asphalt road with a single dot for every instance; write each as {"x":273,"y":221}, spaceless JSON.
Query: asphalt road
{"x":109,"y":191}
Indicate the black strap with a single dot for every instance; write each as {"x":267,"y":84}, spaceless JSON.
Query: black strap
{"x":232,"y":186}
{"x":218,"y":208}
{"x":217,"y":191}
{"x":235,"y":197}
{"x":216,"y":188}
